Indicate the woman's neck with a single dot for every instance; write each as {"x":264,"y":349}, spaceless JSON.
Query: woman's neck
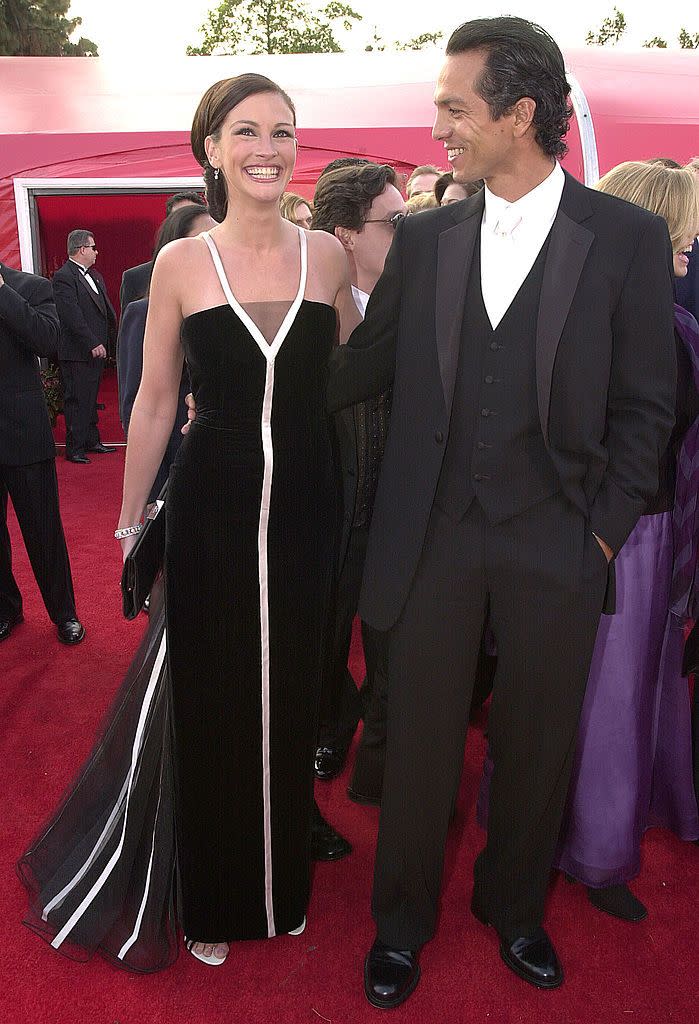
{"x":258,"y":227}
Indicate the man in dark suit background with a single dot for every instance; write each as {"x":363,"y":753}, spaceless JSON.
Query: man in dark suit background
{"x":29,"y":328}
{"x":88,"y":332}
{"x":528,"y":335}
{"x":135,"y":280}
{"x":359,"y":204}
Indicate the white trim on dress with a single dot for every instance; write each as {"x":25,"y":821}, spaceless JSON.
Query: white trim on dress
{"x":269,"y":351}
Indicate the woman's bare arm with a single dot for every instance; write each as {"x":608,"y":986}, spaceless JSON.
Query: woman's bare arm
{"x":155,"y":406}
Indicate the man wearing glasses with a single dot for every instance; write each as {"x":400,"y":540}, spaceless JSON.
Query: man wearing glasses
{"x":88,"y":331}
{"x":361,"y":206}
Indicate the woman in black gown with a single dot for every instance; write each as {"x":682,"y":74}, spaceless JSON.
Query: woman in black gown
{"x":253,"y":305}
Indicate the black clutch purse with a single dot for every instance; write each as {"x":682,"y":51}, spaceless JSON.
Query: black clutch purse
{"x":145,"y":559}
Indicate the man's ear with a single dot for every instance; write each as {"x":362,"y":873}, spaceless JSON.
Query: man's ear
{"x":346,"y":237}
{"x":524,"y":111}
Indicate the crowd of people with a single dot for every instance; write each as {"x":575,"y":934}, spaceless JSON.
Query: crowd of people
{"x":504,"y":491}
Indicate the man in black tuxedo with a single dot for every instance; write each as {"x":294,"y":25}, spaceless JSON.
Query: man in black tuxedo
{"x":88,"y":331}
{"x":29,"y":328}
{"x":135,"y":280}
{"x":528,"y":334}
{"x":360,"y":204}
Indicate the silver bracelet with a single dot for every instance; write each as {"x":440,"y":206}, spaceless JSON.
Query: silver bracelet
{"x":128,"y":531}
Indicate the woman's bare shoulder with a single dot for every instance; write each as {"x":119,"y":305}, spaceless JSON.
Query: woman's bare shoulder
{"x":326,"y":255}
{"x":182,"y":255}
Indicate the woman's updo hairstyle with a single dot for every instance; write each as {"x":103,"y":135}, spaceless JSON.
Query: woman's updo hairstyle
{"x":214,"y":107}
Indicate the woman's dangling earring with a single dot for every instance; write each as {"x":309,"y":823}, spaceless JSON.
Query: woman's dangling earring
{"x":216,"y":172}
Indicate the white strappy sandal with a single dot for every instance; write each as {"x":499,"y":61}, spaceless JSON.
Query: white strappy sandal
{"x":212,"y":961}
{"x":301,"y":928}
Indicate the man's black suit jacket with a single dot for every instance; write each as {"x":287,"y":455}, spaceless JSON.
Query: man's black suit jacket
{"x":134,"y":284}
{"x":605,"y":364}
{"x":29,"y":328}
{"x":87,"y":319}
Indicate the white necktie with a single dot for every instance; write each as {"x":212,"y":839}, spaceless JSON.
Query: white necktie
{"x":507,"y":222}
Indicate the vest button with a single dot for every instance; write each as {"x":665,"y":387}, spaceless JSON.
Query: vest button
{"x":494,"y":346}
{"x":439,"y":437}
{"x":485,"y":412}
{"x":489,"y":379}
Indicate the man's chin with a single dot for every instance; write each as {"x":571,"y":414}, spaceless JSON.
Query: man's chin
{"x":463,"y":176}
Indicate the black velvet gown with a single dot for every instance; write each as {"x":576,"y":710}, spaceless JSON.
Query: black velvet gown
{"x":210,"y":740}
{"x":251,"y":524}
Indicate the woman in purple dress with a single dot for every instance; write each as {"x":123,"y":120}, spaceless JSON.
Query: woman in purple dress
{"x":634,"y":761}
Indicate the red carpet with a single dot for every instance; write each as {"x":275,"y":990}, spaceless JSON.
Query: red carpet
{"x":52,"y":700}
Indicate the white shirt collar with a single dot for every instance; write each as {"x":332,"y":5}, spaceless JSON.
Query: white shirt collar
{"x":78,"y":265}
{"x":360,"y":299}
{"x":541,"y":201}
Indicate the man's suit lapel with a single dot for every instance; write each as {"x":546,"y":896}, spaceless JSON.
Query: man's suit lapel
{"x":569,"y":245}
{"x":454,"y":256}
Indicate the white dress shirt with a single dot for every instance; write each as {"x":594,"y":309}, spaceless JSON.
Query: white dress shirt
{"x":83,"y":271}
{"x":512,"y":235}
{"x":360,"y":299}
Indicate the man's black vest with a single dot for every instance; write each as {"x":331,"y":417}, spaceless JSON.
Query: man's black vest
{"x":496,"y":451}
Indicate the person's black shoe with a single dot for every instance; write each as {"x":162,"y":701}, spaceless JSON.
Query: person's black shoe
{"x":70,"y":632}
{"x":82,"y":460}
{"x":619,"y":901}
{"x":7,"y":625}
{"x":101,"y":449}
{"x":329,"y":762}
{"x":531,"y":957}
{"x":534,"y":959}
{"x":326,"y":843}
{"x":390,"y":975}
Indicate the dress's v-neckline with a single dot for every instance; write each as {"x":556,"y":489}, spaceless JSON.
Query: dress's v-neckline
{"x":268,"y":350}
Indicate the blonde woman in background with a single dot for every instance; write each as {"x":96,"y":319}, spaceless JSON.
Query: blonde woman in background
{"x":421,"y":201}
{"x":296,"y":209}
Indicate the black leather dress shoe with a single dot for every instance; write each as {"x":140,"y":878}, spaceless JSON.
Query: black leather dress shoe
{"x":390,"y":975}
{"x":7,"y":625}
{"x":532,"y":957}
{"x":70,"y":632}
{"x":101,"y":449}
{"x":329,"y":762}
{"x":619,"y":901}
{"x":326,"y":843}
{"x":82,"y":460}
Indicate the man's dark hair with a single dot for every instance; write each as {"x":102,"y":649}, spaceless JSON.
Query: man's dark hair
{"x":343,"y":161}
{"x":188,"y":196}
{"x":521,"y":59}
{"x":343,"y":197}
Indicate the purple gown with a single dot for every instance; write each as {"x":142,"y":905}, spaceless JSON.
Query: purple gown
{"x":634,"y":762}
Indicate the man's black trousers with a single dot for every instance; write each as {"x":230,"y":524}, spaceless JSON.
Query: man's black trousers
{"x":81,"y":383}
{"x":34,"y":493}
{"x":541,"y":577}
